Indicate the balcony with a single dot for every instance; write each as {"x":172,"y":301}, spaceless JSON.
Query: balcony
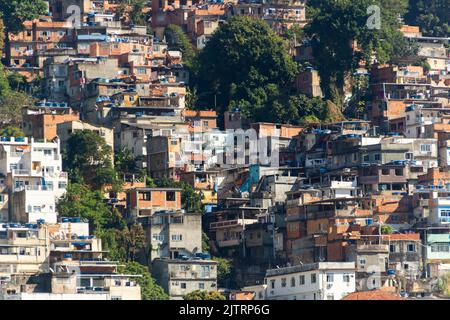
{"x":231,"y":223}
{"x":33,"y":188}
{"x":228,"y":243}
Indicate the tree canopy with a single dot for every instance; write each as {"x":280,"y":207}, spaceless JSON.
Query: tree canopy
{"x":87,"y":158}
{"x":149,"y":289}
{"x":432,"y":16}
{"x":203,"y":295}
{"x":245,"y":65}
{"x":342,"y":39}
{"x":80,"y":201}
{"x":177,"y":40}
{"x":15,"y":12}
{"x":11,"y":131}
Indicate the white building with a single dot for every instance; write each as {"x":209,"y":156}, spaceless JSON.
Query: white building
{"x":33,"y":176}
{"x":316,"y":281}
{"x":440,"y":212}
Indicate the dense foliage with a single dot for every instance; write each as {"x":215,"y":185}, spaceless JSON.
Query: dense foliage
{"x":432,"y":16}
{"x":342,"y":40}
{"x":15,"y":12}
{"x":224,"y":271}
{"x":88,"y":160}
{"x":245,"y":65}
{"x":177,"y":40}
{"x":149,"y":289}
{"x":204,"y":295}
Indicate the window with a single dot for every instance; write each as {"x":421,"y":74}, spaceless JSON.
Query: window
{"x":346,"y":278}
{"x":177,"y":237}
{"x":206,"y":124}
{"x":366,"y":158}
{"x":292,"y":282}
{"x":201,"y":285}
{"x":147,"y":196}
{"x":47,"y":152}
{"x":158,"y":237}
{"x":272,"y":284}
{"x":170,"y":196}
{"x":392,"y":248}
{"x":444,"y":213}
{"x":411,"y":247}
{"x":399,"y":172}
{"x":440,"y":247}
{"x":313,"y":278}
{"x":62,"y":185}
{"x":2,"y":198}
{"x":183,"y":285}
{"x":330,"y":297}
{"x":330,"y":277}
{"x":283,"y":282}
{"x":425,"y":147}
{"x":141,"y":70}
{"x":301,"y":280}
{"x":385,"y":171}
{"x":377,"y":157}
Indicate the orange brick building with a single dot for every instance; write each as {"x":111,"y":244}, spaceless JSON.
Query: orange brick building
{"x":44,"y":125}
{"x":146,"y":201}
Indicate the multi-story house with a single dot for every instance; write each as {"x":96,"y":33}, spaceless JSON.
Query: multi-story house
{"x":144,"y":202}
{"x":175,"y":234}
{"x":24,"y":249}
{"x":280,"y":15}
{"x":35,"y":179}
{"x":316,"y":281}
{"x":41,"y":120}
{"x":405,"y":254}
{"x":180,"y":277}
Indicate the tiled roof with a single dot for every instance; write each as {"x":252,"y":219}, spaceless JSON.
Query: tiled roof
{"x":403,"y":236}
{"x":373,"y":295}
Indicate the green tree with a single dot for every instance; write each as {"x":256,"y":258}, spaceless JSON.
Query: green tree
{"x":191,"y":200}
{"x":111,"y":244}
{"x":132,"y":240}
{"x":11,"y":131}
{"x":177,"y":40}
{"x":80,"y":201}
{"x":337,"y":26}
{"x":149,"y":289}
{"x":2,"y":36}
{"x":203,"y":295}
{"x":246,"y":65}
{"x":137,"y":16}
{"x":300,"y":109}
{"x":444,"y":284}
{"x":224,"y":271}
{"x":386,"y":229}
{"x":15,"y":12}
{"x":124,"y":161}
{"x":432,"y":16}
{"x":88,"y":159}
{"x":205,"y":242}
{"x":11,"y":101}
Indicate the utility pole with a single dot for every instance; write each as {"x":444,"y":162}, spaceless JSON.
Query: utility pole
{"x":243,"y":234}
